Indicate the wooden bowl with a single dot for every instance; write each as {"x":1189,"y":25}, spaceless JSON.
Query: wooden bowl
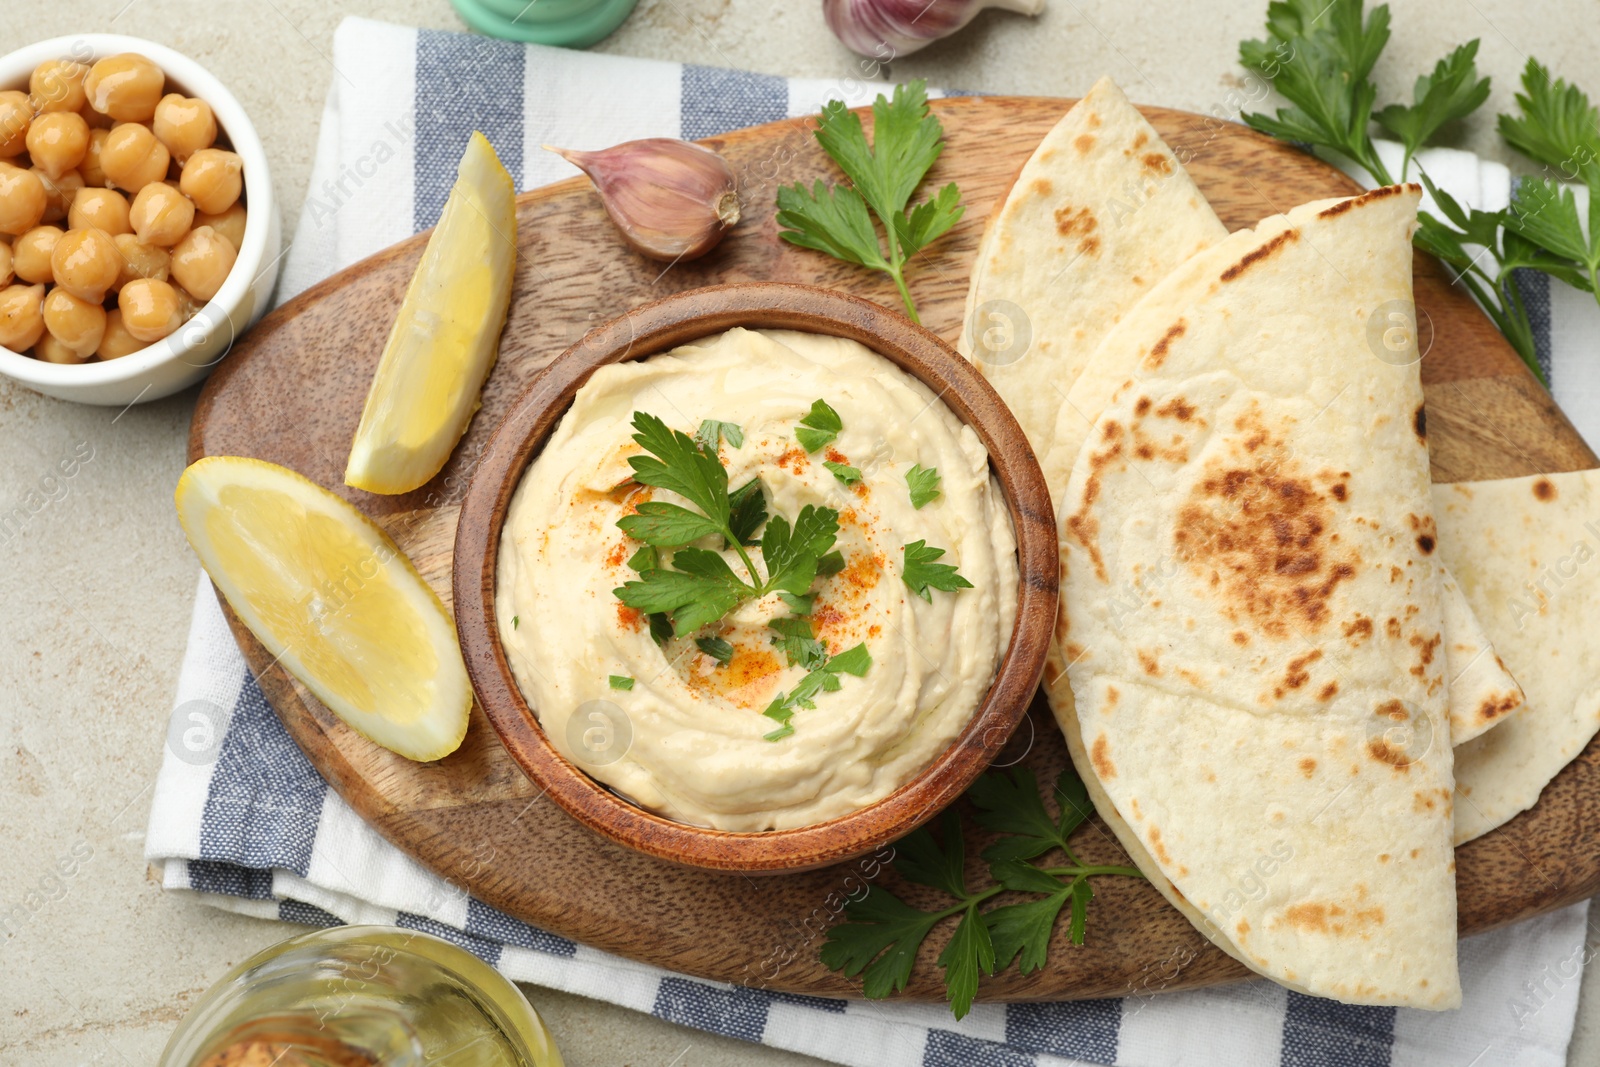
{"x":665,"y":324}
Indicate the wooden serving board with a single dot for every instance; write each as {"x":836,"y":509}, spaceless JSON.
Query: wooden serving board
{"x":292,"y":391}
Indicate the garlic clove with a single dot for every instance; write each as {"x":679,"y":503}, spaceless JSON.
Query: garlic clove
{"x":672,"y":200}
{"x":888,"y":29}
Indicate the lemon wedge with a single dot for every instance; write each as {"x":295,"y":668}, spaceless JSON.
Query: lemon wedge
{"x":447,"y":335}
{"x":333,"y":599}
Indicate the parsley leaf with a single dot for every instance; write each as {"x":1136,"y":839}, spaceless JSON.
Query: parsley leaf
{"x":923,"y":482}
{"x":647,"y":558}
{"x":846,"y":474}
{"x":621,"y":681}
{"x":712,"y":431}
{"x":791,"y":556}
{"x":677,"y":464}
{"x":822,"y":678}
{"x":800,"y":605}
{"x":819,"y":427}
{"x":1453,"y":91}
{"x":907,"y":139}
{"x":829,"y":564}
{"x":716,"y":648}
{"x":747,"y":511}
{"x":662,"y":525}
{"x":516,"y":621}
{"x":921,"y":573}
{"x":798,"y":642}
{"x":881,"y":934}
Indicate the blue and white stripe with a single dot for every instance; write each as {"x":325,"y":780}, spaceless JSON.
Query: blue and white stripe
{"x":241,"y":818}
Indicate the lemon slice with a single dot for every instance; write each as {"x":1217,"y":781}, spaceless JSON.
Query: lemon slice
{"x":447,"y":335}
{"x":333,"y":599}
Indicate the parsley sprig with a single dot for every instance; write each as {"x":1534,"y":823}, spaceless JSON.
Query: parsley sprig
{"x":882,"y":933}
{"x":700,"y":587}
{"x":907,"y":139}
{"x":1320,"y":56}
{"x":822,"y":676}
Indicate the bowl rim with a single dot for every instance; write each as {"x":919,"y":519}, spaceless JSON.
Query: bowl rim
{"x":193,"y":79}
{"x":653,"y":328}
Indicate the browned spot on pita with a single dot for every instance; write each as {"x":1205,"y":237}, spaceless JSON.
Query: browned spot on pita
{"x":1392,"y":627}
{"x":1110,"y":431}
{"x":1093,"y":120}
{"x":1383,"y":752}
{"x":1256,"y":255}
{"x":1241,"y":638}
{"x":1075,"y":221}
{"x":1074,"y":652}
{"x":1262,"y":530}
{"x":1425,"y":650}
{"x":1419,"y":422}
{"x":1157,"y":848}
{"x":1041,"y":187}
{"x":1176,"y":408}
{"x":1133,"y":803}
{"x":1415,"y":853}
{"x":1383,"y":857}
{"x":1339,"y":491}
{"x":1139,"y":141}
{"x":1083,"y":143}
{"x":1148,"y":660}
{"x":1308,"y":766}
{"x":1544,"y":490}
{"x":1156,"y":162}
{"x":1101,"y":758}
{"x":1307,"y":917}
{"x":1112,"y":693}
{"x":1137,"y":280}
{"x":1158,"y":352}
{"x":1084,"y":526}
{"x":1327,"y":692}
{"x":1322,"y":918}
{"x":1142,"y":408}
{"x":1366,"y":198}
{"x":1358,"y":629}
{"x":1493,"y":707}
{"x":1296,"y":675}
{"x":1243,"y":927}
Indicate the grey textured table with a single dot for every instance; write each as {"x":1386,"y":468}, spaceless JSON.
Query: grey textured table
{"x":97,"y":587}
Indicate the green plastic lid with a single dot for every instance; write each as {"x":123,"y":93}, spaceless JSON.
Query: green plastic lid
{"x":569,"y":23}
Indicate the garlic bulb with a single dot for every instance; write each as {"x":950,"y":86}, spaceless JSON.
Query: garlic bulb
{"x":887,"y":29}
{"x":672,"y":200}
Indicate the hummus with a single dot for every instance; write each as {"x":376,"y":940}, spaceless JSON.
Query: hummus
{"x":670,"y":726}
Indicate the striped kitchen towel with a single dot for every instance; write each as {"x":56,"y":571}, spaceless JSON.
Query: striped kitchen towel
{"x":242,"y":819}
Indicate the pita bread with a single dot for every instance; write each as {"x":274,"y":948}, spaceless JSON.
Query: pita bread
{"x":1101,"y":211}
{"x":1255,"y":640}
{"x":1527,"y":554}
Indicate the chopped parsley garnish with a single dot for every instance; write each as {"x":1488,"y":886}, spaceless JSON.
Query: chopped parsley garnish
{"x":924,"y":485}
{"x":712,"y":431}
{"x":516,"y":621}
{"x":716,"y":648}
{"x":922,"y":573}
{"x":823,"y":678}
{"x":796,"y":639}
{"x":800,"y":605}
{"x":621,"y":681}
{"x":819,"y":427}
{"x":846,"y":474}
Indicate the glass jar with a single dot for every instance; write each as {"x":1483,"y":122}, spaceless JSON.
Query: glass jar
{"x":362,"y":996}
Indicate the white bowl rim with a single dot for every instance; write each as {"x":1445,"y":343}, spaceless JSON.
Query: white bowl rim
{"x":195,"y":80}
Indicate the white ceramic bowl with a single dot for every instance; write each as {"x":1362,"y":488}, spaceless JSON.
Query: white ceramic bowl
{"x":188,"y":354}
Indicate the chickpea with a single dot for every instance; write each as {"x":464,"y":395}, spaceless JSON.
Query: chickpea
{"x":201,"y":262}
{"x":90,"y":167}
{"x":58,"y":193}
{"x":21,"y":316}
{"x":149,"y":308}
{"x":161,"y":215}
{"x":86,"y":263}
{"x":22,"y":199}
{"x":51,"y":349}
{"x":16,"y":115}
{"x":127,"y":87}
{"x":104,"y":209}
{"x":78,"y":324}
{"x":57,"y":141}
{"x":211,"y":178}
{"x":229,"y":224}
{"x":6,"y":272}
{"x":132,"y":157}
{"x":140,"y":260}
{"x":184,"y":124}
{"x":117,"y":342}
{"x":57,"y":85}
{"x":95,"y":119}
{"x":30,"y":256}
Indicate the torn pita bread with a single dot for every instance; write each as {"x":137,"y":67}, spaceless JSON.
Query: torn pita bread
{"x":1526,"y":552}
{"x":1099,"y":214}
{"x":1256,"y":626}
